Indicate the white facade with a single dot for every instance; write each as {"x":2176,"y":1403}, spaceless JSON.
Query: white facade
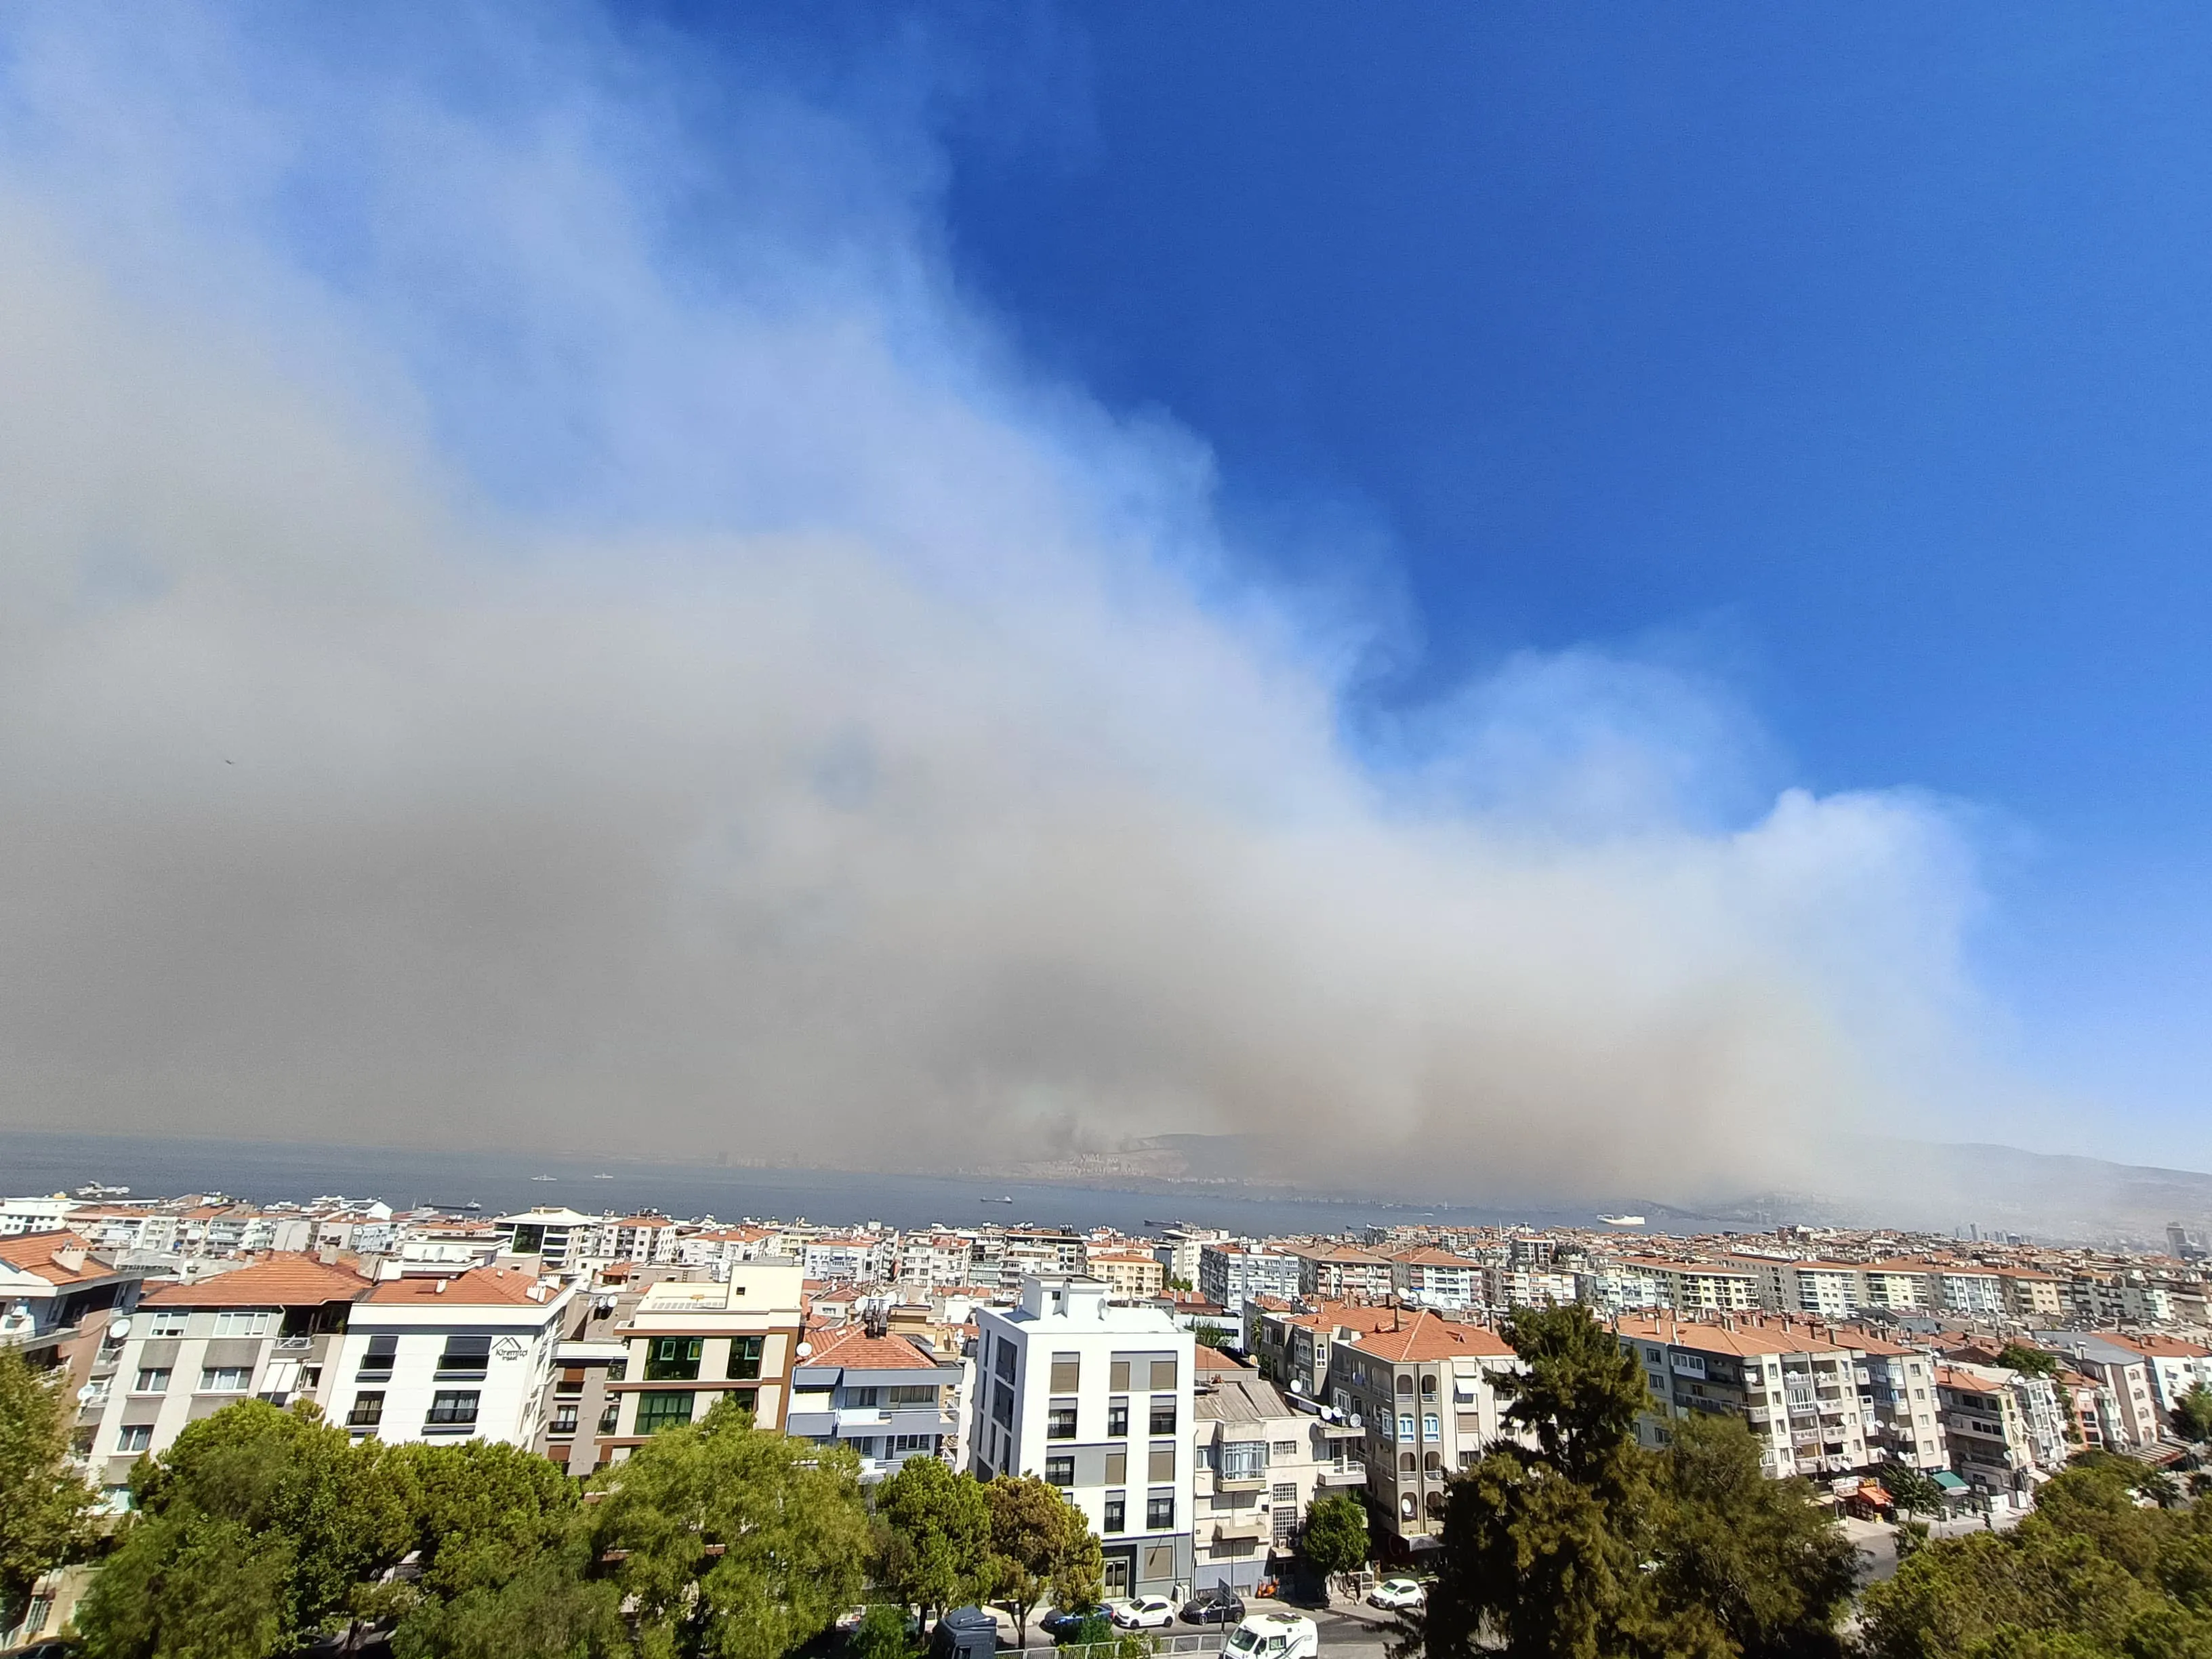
{"x":1095,"y":1397}
{"x":432,"y":1357}
{"x":1229,"y":1275}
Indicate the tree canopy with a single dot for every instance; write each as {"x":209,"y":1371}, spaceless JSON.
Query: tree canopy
{"x":1335,"y":1537}
{"x":936,"y":1549}
{"x":2192,"y":1414}
{"x":43,"y":1504}
{"x":2029,"y":1362}
{"x":1040,"y":1543}
{"x":1574,"y":1542}
{"x":2090,"y":1573}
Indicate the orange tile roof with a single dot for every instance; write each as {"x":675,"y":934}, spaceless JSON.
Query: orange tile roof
{"x":850,"y":1346}
{"x":480,"y":1286}
{"x":1749,"y":1336}
{"x":34,"y":1253}
{"x":286,"y":1280}
{"x":1427,"y":1257}
{"x":1426,"y":1337}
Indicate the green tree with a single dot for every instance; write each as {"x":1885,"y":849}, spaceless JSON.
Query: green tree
{"x":737,"y":1542}
{"x":1334,"y":1538}
{"x":1040,"y":1542}
{"x":477,"y":1512}
{"x":2192,"y":1414}
{"x":2029,"y":1362}
{"x":1210,"y":1335}
{"x":1587,"y":1546}
{"x":1767,"y":1561}
{"x":883,"y":1634}
{"x":1912,"y":1489}
{"x":546,"y":1608}
{"x":938,"y":1526}
{"x":43,"y":1505}
{"x":286,"y":1514}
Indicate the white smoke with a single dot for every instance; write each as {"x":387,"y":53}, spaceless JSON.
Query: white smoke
{"x":485,"y":660}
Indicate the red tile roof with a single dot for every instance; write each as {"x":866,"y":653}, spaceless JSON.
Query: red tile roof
{"x":480,"y":1287}
{"x":1426,"y":1337}
{"x":286,"y":1280}
{"x":34,"y":1253}
{"x":850,"y":1346}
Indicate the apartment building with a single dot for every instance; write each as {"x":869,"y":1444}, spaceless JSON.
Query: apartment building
{"x":1096,"y":1397}
{"x":2122,"y":1369}
{"x":1506,"y":1285}
{"x":1178,"y":1248}
{"x":864,"y":1257}
{"x":1042,"y":1252}
{"x":1976,"y":1291}
{"x":692,"y":1344}
{"x":932,"y":1259}
{"x":57,"y":1299}
{"x":888,"y":1396}
{"x":1422,"y":1398}
{"x":1292,"y":1344}
{"x":1902,"y":1416}
{"x":648,"y":1240}
{"x":1342,"y":1273}
{"x":268,"y":1331}
{"x":1830,"y":1289}
{"x":1695,"y":1287}
{"x":432,"y":1356}
{"x":1796,"y":1389}
{"x":585,"y":1412}
{"x":554,"y":1239}
{"x":1257,"y":1462}
{"x":1896,"y":1287}
{"x":1431,"y":1277}
{"x":1232,"y":1275}
{"x":2172,"y":1365}
{"x":1130,"y":1275}
{"x":2031,"y":1296}
{"x":1999,"y":1426}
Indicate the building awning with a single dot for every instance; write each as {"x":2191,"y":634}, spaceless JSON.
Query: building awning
{"x":1951,"y":1482}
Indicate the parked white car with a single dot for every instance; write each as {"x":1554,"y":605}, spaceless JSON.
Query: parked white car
{"x":1398,"y":1594}
{"x":1274,"y":1636}
{"x":1145,"y":1612}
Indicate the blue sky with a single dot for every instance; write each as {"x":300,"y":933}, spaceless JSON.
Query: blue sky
{"x":1461,"y":568}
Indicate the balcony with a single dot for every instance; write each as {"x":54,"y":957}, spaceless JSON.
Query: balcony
{"x":1342,"y":1474}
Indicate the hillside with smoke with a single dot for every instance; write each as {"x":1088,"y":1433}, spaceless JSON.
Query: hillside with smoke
{"x":491,"y":653}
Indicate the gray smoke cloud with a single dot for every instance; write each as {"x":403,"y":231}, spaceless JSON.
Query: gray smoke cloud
{"x":534,"y":682}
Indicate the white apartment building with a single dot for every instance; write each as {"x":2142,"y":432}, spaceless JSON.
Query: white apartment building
{"x":932,"y":1259}
{"x":1431,"y":1277}
{"x":2122,"y":1369}
{"x":1095,"y":1397}
{"x":1178,"y":1250}
{"x":888,"y":1396}
{"x":859,"y":1257}
{"x":1798,"y":1392}
{"x":1509,"y":1286}
{"x":2173,"y":1365}
{"x":1229,"y":1275}
{"x":465,"y":1356}
{"x":1695,"y":1286}
{"x":2000,"y":1425}
{"x":1130,"y":1275}
{"x":555,"y":1238}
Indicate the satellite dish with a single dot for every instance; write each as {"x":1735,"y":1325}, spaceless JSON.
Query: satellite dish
{"x":118,"y":1328}
{"x":84,"y":1394}
{"x":804,"y":1349}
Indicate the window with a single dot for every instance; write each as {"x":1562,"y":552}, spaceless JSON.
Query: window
{"x":225,"y":1379}
{"x":1404,"y":1384}
{"x":1117,"y":1419}
{"x":861,"y":1400}
{"x":656,"y":1412}
{"x":1002,"y":1403}
{"x":155,"y":1379}
{"x":611,"y":1416}
{"x":903,"y":1445}
{"x":1117,"y":1466}
{"x":1429,"y":1426}
{"x":572,"y":1381}
{"x":1404,"y":1426}
{"x":368,"y":1411}
{"x":243,"y":1322}
{"x":1159,"y":1511}
{"x":376,"y":1363}
{"x":745,"y":1358}
{"x":747,"y":1398}
{"x":1060,"y":1420}
{"x":1428,"y":1387}
{"x":1243,"y":1460}
{"x":1066,"y":1372}
{"x":466,"y":1356}
{"x":906,"y":1395}
{"x":1405,"y":1465}
{"x":451,"y":1409}
{"x":1117,"y":1512}
{"x":1117,"y":1376}
{"x":1163,"y":1415}
{"x":1284,"y":1449}
{"x":135,"y":1437}
{"x":564,"y":1420}
{"x":1163,"y":1374}
{"x":167,"y":1322}
{"x":1161,"y":1465}
{"x":1059,"y":1471}
{"x":1006,"y":1361}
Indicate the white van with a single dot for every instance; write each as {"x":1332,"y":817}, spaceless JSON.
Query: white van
{"x":1274,"y":1636}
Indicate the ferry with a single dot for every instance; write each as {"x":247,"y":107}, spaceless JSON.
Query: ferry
{"x":1622,"y":1220}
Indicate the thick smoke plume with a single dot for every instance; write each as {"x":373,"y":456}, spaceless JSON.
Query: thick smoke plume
{"x":505,"y":638}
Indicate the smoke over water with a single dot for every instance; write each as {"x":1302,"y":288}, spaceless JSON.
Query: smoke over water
{"x":515,"y":630}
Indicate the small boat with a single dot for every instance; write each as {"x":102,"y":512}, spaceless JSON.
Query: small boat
{"x":1622,"y":1220}
{"x":545,"y":1177}
{"x":603,"y":1176}
{"x":93,"y":1189}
